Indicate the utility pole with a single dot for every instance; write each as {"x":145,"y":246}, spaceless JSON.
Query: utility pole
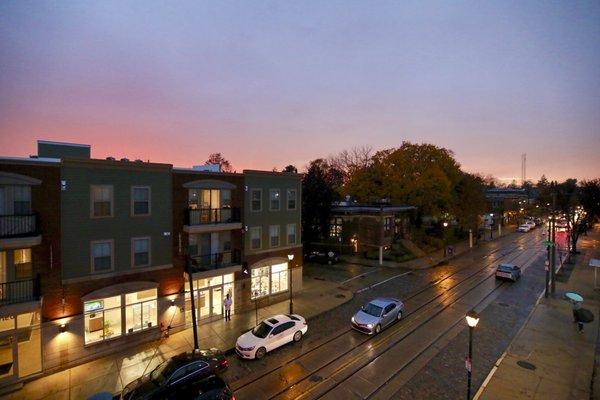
{"x":382,"y":235}
{"x":553,"y":249}
{"x":188,"y":267}
{"x":547,"y":266}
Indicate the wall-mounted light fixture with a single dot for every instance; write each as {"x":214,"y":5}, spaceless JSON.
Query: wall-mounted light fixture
{"x":290,"y":257}
{"x":172,"y":302}
{"x":62,"y":328}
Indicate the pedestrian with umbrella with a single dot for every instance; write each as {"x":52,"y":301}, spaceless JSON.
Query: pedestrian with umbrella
{"x":580,"y":315}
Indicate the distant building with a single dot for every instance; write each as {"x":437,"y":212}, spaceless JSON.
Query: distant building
{"x":507,"y":202}
{"x":363,"y":227}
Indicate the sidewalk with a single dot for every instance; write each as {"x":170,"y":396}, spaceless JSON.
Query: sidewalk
{"x":113,"y":372}
{"x":563,"y":358}
{"x":431,"y":259}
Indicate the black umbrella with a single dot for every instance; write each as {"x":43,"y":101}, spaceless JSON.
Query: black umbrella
{"x":584,"y":315}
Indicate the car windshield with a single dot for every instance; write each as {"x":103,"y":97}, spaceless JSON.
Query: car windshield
{"x":160,"y":373}
{"x":372,"y":309}
{"x":262,"y":330}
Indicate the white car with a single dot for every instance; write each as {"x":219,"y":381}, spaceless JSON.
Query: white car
{"x":270,"y":334}
{"x":523,"y":228}
{"x":530,"y":223}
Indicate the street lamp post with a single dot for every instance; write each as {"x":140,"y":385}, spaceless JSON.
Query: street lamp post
{"x":445,"y":225}
{"x":472,"y":319}
{"x":291,"y":258}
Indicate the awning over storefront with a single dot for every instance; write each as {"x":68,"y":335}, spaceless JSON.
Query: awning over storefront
{"x":118,"y":289}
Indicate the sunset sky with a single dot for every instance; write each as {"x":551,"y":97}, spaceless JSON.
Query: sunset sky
{"x":276,"y":83}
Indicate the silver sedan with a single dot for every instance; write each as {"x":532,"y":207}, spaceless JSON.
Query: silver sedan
{"x":377,"y":314}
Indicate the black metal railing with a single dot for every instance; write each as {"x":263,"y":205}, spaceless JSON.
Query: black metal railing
{"x":223,"y":259}
{"x":20,"y":291}
{"x":203,"y":216}
{"x":18,"y":225}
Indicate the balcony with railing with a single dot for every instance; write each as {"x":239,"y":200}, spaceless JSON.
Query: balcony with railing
{"x":213,"y":261}
{"x":21,"y":291}
{"x":15,"y":226}
{"x":210,"y":219}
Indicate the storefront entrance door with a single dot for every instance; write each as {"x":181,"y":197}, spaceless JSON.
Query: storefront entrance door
{"x":8,"y":356}
{"x":217,"y":300}
{"x":203,"y":304}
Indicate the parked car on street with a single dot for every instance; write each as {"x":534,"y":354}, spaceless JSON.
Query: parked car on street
{"x":508,"y":271}
{"x":212,"y":387}
{"x":377,"y":314}
{"x":323,"y":257}
{"x":530,"y":223}
{"x":175,"y":374}
{"x":523,"y":228}
{"x":270,"y":334}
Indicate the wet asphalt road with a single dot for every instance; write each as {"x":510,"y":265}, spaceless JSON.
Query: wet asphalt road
{"x":299,"y":364}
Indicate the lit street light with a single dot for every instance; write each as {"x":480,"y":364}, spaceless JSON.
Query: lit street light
{"x":472,"y":319}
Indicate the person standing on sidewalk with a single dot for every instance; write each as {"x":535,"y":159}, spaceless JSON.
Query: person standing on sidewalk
{"x":227,"y":305}
{"x":576,"y":317}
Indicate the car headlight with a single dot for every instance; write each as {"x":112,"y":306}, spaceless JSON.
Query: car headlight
{"x":369,"y":326}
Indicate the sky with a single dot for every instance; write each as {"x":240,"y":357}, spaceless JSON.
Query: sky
{"x":272,"y":83}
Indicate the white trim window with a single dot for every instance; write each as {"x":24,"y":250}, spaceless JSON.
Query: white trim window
{"x":292,"y":199}
{"x":260,"y":282}
{"x":387,"y":224}
{"x":22,"y":263}
{"x":140,"y":310}
{"x":140,"y":201}
{"x":255,"y":237}
{"x":291,"y":234}
{"x":274,"y":236}
{"x":279,"y":278}
{"x":140,"y":252}
{"x":22,"y":200}
{"x":102,"y":201}
{"x":274,"y":199}
{"x":256,"y":200}
{"x":102,"y":255}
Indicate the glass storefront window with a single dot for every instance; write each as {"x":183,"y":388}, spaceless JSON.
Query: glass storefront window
{"x":141,"y":310}
{"x":102,"y":319}
{"x":260,"y":282}
{"x":279,"y":277}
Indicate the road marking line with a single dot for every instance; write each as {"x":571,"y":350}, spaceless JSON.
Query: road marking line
{"x":379,"y":283}
{"x":357,"y":276}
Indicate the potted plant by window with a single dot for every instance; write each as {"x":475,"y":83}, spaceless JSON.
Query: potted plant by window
{"x":108,"y":332}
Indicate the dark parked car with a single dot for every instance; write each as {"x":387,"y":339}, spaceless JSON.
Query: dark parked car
{"x":175,"y":374}
{"x":323,"y":257}
{"x":210,"y":388}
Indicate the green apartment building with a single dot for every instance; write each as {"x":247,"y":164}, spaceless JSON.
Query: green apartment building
{"x":96,"y":254}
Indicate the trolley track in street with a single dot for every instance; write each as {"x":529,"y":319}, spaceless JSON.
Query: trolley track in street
{"x":490,"y":259}
{"x":382,"y":344}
